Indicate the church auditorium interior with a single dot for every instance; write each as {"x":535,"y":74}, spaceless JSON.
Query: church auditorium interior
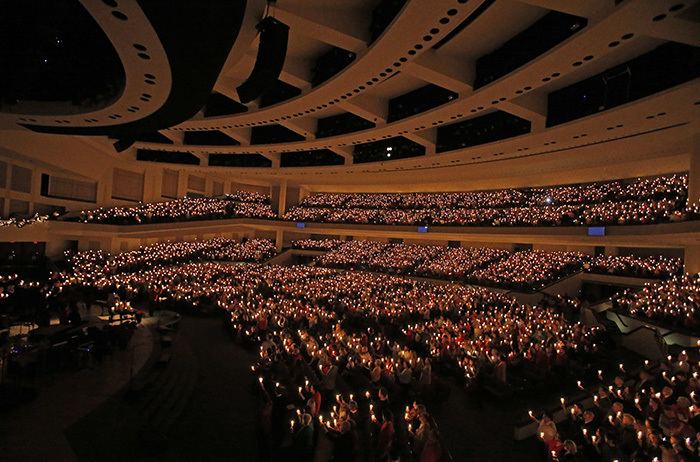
{"x":350,"y":230}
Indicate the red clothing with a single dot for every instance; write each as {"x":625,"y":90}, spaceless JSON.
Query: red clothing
{"x":317,"y":403}
{"x":386,"y":437}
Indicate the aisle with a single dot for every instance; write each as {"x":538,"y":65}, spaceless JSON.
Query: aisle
{"x":35,"y":431}
{"x":219,"y":422}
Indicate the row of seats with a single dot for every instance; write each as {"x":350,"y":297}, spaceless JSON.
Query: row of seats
{"x":637,"y":201}
{"x":524,"y":270}
{"x":235,"y":205}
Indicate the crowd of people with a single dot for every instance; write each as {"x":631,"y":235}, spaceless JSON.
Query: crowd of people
{"x":674,"y":302}
{"x":241,"y":204}
{"x":638,"y":201}
{"x":649,"y":415}
{"x":317,"y":244}
{"x":531,"y":269}
{"x":459,"y":262}
{"x":348,"y":359}
{"x":90,"y":265}
{"x":523,"y":270}
{"x":653,"y":266}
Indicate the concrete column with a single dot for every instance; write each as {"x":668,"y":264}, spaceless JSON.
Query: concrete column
{"x":278,"y":197}
{"x":152,"y":184}
{"x":692,"y":259}
{"x":292,"y":197}
{"x":279,"y":240}
{"x":104,"y":188}
{"x":612,"y":251}
{"x":181,"y":183}
{"x":694,"y":173}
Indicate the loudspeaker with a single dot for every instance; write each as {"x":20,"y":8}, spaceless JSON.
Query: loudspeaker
{"x":272,"y":50}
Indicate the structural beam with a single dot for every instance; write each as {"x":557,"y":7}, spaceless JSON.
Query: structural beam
{"x":174,"y":136}
{"x":426,"y":138}
{"x":368,"y":107}
{"x":452,"y":74}
{"x":304,"y":126}
{"x":242,"y":135}
{"x":345,"y":152}
{"x":313,"y":22}
{"x":676,"y":30}
{"x":227,"y":87}
{"x":532,"y":107}
{"x":274,"y":157}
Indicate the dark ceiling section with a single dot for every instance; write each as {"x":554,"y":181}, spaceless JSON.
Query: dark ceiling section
{"x":184,"y":158}
{"x":220,"y":105}
{"x":278,"y":92}
{"x":549,"y":31}
{"x":320,"y":157}
{"x":329,"y":64}
{"x":154,"y":137}
{"x":54,"y":51}
{"x":394,"y":148}
{"x":197,"y":37}
{"x":487,"y":128}
{"x":238,"y":160}
{"x":382,"y":15}
{"x":418,"y":100}
{"x":209,"y":138}
{"x":341,"y":124}
{"x":270,"y":134}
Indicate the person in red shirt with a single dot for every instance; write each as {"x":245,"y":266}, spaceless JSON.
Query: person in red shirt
{"x":386,"y":435}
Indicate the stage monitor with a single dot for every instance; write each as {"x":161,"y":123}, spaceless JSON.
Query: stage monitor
{"x":422,"y":229}
{"x":596,"y":231}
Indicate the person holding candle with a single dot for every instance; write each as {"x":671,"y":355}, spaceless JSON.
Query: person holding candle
{"x":385,"y":438}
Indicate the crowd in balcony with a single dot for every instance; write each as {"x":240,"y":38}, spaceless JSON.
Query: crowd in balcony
{"x":674,"y":302}
{"x":522,"y":270}
{"x":317,"y":244}
{"x":653,"y":266}
{"x":240,"y":204}
{"x":457,"y":263}
{"x":91,"y":264}
{"x":637,"y":201}
{"x":529,"y":269}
